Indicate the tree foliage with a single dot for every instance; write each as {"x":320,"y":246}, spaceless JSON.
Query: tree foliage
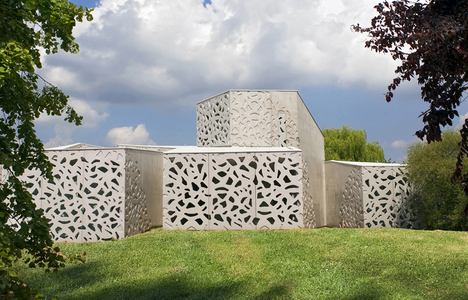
{"x":438,"y":202}
{"x":26,"y":27}
{"x":430,"y":38}
{"x":351,"y":145}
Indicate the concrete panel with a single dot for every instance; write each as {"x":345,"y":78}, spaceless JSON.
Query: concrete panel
{"x":311,"y":142}
{"x":102,"y":192}
{"x":368,"y":195}
{"x":232,"y":188}
{"x":286,"y":114}
{"x":186,"y":198}
{"x":278,"y":190}
{"x":144,"y":189}
{"x":253,"y":119}
{"x":85,"y":202}
{"x":99,"y":193}
{"x":385,"y":193}
{"x":344,"y":200}
{"x":213,"y":121}
{"x":232,"y":191}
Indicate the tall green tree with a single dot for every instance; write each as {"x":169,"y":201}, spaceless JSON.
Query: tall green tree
{"x":26,"y":27}
{"x":351,"y":145}
{"x":430,"y":39}
{"x":437,"y":201}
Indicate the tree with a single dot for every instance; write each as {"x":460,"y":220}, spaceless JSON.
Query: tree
{"x":437,"y":202}
{"x":351,"y":145}
{"x":431,"y":40}
{"x":26,"y":26}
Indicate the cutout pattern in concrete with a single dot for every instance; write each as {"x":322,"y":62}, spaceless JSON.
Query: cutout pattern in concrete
{"x":186,"y":194}
{"x":279,"y":190}
{"x":232,"y":186}
{"x":253,"y":120}
{"x":385,"y":193}
{"x":91,"y":193}
{"x":136,"y":213}
{"x":351,"y":210}
{"x":213,"y":122}
{"x":309,"y":212}
{"x":225,"y":191}
{"x":85,"y":201}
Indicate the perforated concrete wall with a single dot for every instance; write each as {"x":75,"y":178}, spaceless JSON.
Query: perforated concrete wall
{"x":99,"y":194}
{"x":259,"y":118}
{"x":248,"y":119}
{"x":232,"y":188}
{"x":385,"y":193}
{"x":367,"y":195}
{"x":213,"y":121}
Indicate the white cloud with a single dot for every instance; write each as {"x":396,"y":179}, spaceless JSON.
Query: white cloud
{"x":399,"y":144}
{"x":63,"y":135}
{"x":61,"y":77}
{"x":64,"y":130}
{"x":126,"y":135}
{"x":176,"y":52}
{"x":91,"y":117}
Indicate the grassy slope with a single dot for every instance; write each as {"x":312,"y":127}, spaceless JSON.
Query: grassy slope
{"x":289,"y":264}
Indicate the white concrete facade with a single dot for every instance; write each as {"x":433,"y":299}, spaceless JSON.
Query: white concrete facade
{"x":99,"y":193}
{"x":234,"y":188}
{"x":262,"y":118}
{"x":364,"y":195}
{"x":259,"y":163}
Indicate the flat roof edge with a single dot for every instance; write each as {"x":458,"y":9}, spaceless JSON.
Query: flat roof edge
{"x":365,"y":164}
{"x":192,"y":149}
{"x":245,"y":90}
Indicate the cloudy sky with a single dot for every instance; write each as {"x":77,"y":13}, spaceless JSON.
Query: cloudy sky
{"x":144,"y":64}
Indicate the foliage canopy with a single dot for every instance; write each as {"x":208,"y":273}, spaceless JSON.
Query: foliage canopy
{"x":351,"y":145}
{"x":438,"y":202}
{"x":26,"y":27}
{"x":430,"y":38}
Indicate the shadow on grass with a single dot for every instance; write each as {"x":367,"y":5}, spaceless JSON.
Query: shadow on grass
{"x":90,"y":281}
{"x":406,"y":284}
{"x":367,"y":294}
{"x":169,"y":288}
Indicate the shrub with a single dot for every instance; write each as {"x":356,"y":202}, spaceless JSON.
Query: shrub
{"x":351,"y":145}
{"x":437,"y":202}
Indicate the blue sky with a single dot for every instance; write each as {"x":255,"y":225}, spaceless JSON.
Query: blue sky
{"x":143,"y":66}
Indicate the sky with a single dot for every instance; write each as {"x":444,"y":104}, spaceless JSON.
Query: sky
{"x":144,"y":64}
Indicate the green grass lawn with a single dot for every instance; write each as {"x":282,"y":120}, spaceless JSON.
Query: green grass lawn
{"x":283,"y":264}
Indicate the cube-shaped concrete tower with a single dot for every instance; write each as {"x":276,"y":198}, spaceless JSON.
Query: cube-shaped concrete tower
{"x":264,"y":118}
{"x":366,"y":194}
{"x":99,"y":193}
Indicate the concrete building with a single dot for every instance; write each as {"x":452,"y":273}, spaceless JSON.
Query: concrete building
{"x":259,"y":118}
{"x":259,"y":163}
{"x":364,"y":195}
{"x":99,"y":193}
